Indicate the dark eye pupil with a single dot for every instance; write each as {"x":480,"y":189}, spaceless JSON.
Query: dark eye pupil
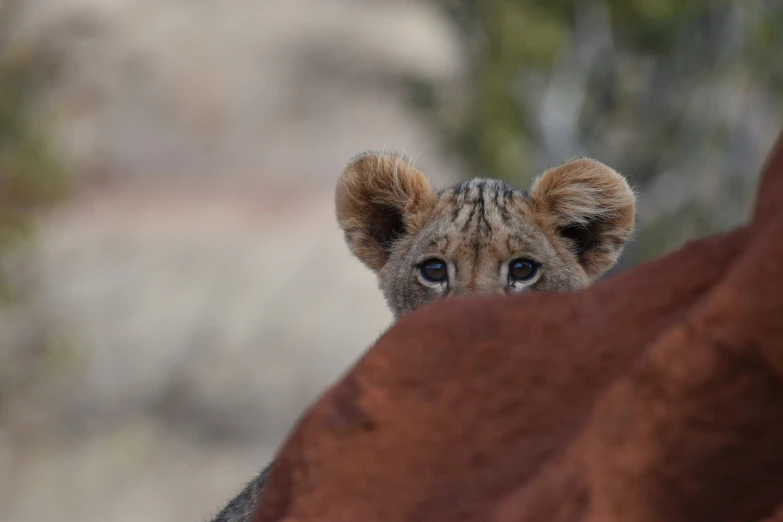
{"x":434,"y":270}
{"x":522,"y":269}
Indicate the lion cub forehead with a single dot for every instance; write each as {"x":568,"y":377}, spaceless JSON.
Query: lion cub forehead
{"x":480,"y":203}
{"x":479,"y":213}
{"x":481,"y":188}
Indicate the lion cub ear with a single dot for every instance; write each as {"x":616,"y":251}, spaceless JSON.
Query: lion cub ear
{"x":588,"y":206}
{"x":380,"y":198}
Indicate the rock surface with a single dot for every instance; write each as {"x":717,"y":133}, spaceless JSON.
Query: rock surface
{"x":655,"y":395}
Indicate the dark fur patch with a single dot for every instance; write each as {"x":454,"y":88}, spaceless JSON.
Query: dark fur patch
{"x":584,"y":238}
{"x":387,"y":227}
{"x":483,"y":223}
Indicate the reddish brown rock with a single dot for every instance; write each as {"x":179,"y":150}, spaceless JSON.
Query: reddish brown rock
{"x":656,"y":395}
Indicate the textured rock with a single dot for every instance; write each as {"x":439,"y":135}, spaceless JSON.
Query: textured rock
{"x":653,"y":396}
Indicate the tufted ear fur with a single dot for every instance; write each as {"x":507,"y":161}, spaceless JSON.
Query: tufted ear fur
{"x":590,"y":207}
{"x":380,"y":198}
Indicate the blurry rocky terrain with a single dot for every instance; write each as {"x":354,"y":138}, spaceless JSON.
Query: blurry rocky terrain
{"x":194,"y":289}
{"x":174,"y":286}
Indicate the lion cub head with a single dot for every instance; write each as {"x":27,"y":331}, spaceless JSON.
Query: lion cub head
{"x":481,"y":236}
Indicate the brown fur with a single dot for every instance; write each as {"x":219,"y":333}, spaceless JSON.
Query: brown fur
{"x":654,"y":396}
{"x":573,"y":225}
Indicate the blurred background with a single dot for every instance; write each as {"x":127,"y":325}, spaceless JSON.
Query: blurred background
{"x":173,"y":286}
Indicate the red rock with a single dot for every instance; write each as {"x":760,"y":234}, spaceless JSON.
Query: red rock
{"x":656,"y":395}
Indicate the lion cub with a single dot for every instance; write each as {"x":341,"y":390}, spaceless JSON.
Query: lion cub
{"x":481,"y":236}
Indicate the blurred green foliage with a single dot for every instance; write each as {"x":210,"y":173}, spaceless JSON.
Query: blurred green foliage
{"x":31,"y":177}
{"x":30,"y":172}
{"x":672,"y":93}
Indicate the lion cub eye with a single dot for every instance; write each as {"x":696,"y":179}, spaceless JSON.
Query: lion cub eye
{"x":522,"y":269}
{"x":434,"y":270}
